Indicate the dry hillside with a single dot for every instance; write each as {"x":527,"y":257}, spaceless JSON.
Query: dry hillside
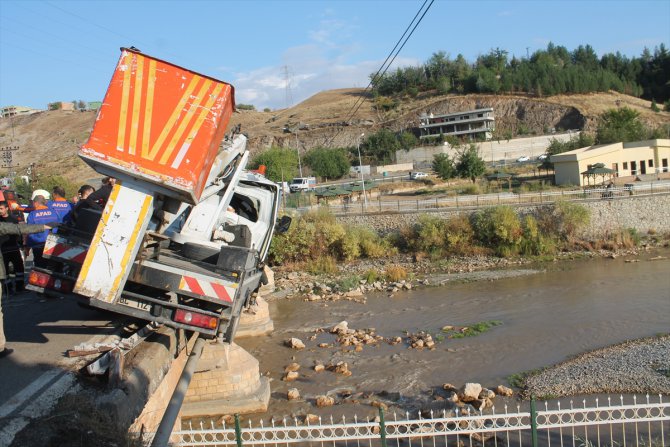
{"x":51,"y":139}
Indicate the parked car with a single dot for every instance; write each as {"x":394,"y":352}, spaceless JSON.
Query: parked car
{"x":523,"y":158}
{"x":543,"y":157}
{"x":417,"y":175}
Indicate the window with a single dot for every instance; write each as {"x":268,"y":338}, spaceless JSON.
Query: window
{"x":651,"y":163}
{"x":625,"y":165}
{"x":615,"y":167}
{"x":664,"y":163}
{"x":633,"y":167}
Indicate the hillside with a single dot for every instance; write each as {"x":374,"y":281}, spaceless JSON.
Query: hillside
{"x":51,"y":139}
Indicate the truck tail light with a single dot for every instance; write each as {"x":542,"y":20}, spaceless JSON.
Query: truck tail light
{"x":195,"y":319}
{"x":47,"y":281}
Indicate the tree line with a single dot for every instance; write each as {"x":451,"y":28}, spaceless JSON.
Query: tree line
{"x":550,"y":71}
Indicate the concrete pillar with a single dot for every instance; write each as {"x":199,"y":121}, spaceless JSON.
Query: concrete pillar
{"x":255,"y":320}
{"x":227,"y":381}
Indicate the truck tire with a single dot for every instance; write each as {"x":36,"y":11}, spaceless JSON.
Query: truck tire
{"x":199,"y":252}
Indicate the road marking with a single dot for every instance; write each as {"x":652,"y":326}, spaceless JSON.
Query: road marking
{"x":42,"y":401}
{"x":34,"y":387}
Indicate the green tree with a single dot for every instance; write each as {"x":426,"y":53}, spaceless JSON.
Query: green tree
{"x":408,"y":140}
{"x":381,"y":146}
{"x":280,"y":163}
{"x":444,"y":166}
{"x":470,"y":164}
{"x":245,"y":107}
{"x":619,"y":125}
{"x":328,"y":163}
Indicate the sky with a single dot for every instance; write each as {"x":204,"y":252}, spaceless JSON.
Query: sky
{"x":279,"y":53}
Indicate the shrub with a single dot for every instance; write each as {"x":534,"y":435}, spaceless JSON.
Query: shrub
{"x":348,"y":283}
{"x":533,"y":241}
{"x":371,"y":276}
{"x":470,"y":190}
{"x":431,"y":234}
{"x":323,"y":265}
{"x":654,"y":106}
{"x":498,"y":228}
{"x":395,"y":273}
{"x":459,"y":235}
{"x":570,"y":218}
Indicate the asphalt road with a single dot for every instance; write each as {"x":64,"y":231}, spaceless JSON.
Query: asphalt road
{"x":41,"y":330}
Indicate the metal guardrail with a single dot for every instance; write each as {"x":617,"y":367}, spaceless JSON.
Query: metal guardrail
{"x":484,"y":200}
{"x":645,"y":423}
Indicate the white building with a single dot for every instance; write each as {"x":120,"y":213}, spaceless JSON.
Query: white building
{"x":473,"y":125}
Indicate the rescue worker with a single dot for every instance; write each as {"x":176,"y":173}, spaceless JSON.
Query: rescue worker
{"x":59,"y":204}
{"x":11,"y":250}
{"x":40,"y":215}
{"x":82,"y":203}
{"x":7,"y":228}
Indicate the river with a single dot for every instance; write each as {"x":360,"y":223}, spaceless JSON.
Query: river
{"x":561,"y":310}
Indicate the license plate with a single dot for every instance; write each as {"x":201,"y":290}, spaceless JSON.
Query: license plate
{"x":135,"y":303}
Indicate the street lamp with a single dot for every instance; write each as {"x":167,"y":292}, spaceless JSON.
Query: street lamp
{"x":360,"y":168}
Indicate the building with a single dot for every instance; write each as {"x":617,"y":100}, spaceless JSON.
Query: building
{"x":476,"y":124}
{"x":61,"y":105}
{"x":9,"y":111}
{"x":625,"y":159}
{"x":93,"y":105}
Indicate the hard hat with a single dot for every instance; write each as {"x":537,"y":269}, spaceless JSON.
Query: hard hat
{"x":41,"y":192}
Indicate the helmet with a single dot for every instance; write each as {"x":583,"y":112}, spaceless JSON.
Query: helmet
{"x":41,"y":192}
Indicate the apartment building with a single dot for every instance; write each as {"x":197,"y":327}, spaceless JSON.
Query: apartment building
{"x":473,"y":125}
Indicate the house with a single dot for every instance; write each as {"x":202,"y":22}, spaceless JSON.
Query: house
{"x":10,"y":111}
{"x":476,"y":124}
{"x":624,"y":159}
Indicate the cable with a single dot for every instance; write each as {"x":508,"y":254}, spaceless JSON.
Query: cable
{"x":386,"y":64}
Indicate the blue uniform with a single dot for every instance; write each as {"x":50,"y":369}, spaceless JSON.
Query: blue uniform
{"x":62,"y":208}
{"x":40,"y":216}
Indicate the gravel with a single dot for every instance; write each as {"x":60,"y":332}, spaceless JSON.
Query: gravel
{"x":633,"y":367}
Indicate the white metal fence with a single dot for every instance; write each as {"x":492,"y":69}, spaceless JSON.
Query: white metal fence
{"x":381,"y":204}
{"x":642,"y":422}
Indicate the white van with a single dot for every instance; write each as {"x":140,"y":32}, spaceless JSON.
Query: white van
{"x":303,"y":184}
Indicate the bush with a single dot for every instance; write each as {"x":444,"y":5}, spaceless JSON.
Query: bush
{"x":371,"y":276}
{"x":534,"y":242}
{"x":459,"y":234}
{"x":654,"y":106}
{"x":395,"y":273}
{"x":323,"y":265}
{"x":565,"y":220}
{"x":498,"y":228}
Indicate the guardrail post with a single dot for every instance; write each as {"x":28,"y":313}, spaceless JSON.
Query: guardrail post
{"x":533,"y":422}
{"x":382,"y":426}
{"x":238,"y":431}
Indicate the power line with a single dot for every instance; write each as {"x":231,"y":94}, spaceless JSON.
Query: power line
{"x":388,"y":61}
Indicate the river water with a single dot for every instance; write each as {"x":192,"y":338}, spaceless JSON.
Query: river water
{"x":561,"y":310}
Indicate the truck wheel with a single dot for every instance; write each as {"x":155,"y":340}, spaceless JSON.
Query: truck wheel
{"x":199,"y":252}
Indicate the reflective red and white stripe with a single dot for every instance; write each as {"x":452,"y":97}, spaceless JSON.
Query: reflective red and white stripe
{"x":207,"y":288}
{"x":63,"y":251}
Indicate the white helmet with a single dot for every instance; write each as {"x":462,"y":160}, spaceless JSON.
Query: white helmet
{"x":41,"y":192}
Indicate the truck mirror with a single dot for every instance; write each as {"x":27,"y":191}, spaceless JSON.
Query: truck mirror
{"x":283,"y":224}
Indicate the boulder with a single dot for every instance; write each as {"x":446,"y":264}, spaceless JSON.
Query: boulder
{"x":292,"y":367}
{"x":324,"y":401}
{"x":291,"y":376}
{"x":340,"y":328}
{"x":293,"y":394}
{"x":502,"y":390}
{"x":319,"y":367}
{"x":469,"y":392}
{"x":311,"y":419}
{"x":295,"y":343}
{"x":486,"y":394}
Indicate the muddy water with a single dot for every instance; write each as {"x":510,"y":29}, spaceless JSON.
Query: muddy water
{"x":548,"y":316}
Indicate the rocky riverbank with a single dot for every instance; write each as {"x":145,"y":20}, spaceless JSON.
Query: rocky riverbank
{"x":635,"y":367}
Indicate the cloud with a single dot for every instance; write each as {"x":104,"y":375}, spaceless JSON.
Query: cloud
{"x":329,"y":60}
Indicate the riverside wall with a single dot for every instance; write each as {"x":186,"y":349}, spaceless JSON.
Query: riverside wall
{"x":644,"y":213}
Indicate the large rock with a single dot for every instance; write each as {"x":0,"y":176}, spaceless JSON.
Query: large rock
{"x":469,"y":392}
{"x":294,"y":343}
{"x":502,"y":390}
{"x":340,"y":328}
{"x":324,"y":401}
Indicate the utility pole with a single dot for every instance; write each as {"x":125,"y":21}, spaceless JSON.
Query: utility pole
{"x":6,"y":158}
{"x":527,"y":54}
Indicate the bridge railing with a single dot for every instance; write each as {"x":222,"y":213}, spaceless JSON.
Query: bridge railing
{"x":642,"y":422}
